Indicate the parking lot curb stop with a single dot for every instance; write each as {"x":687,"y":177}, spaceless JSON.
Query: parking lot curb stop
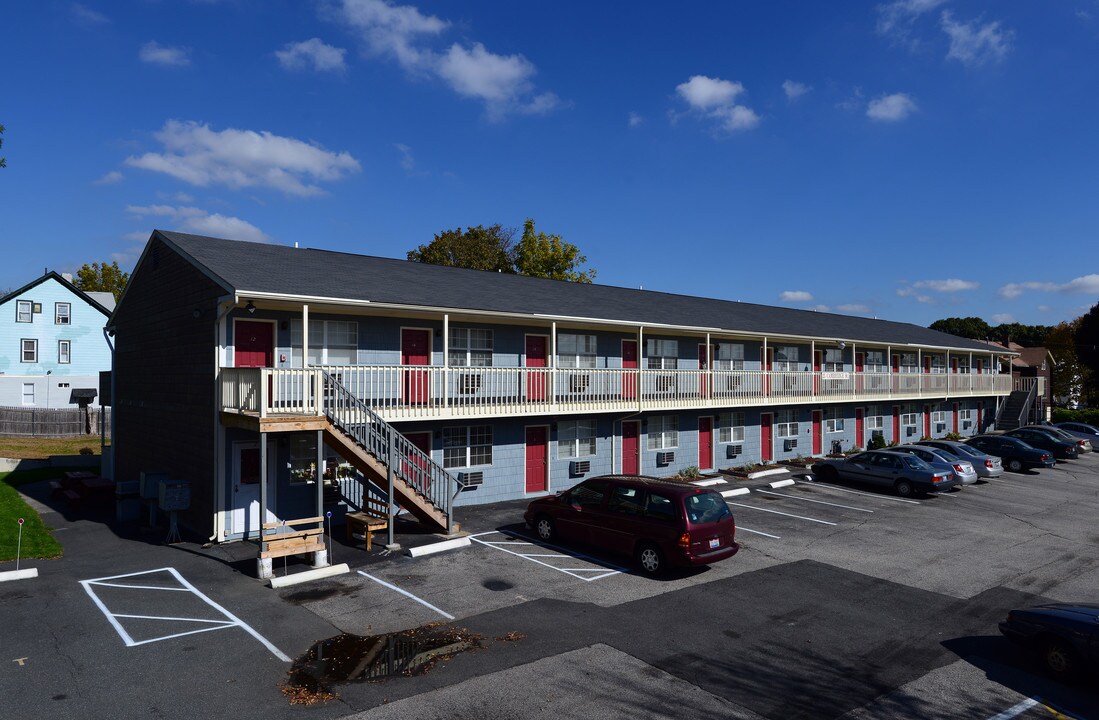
{"x":18,"y":574}
{"x":438,"y":547}
{"x":764,"y":473}
{"x":782,"y":483}
{"x":735,"y":491}
{"x":307,"y":575}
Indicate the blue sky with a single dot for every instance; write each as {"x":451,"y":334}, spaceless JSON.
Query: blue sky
{"x":908,"y":160}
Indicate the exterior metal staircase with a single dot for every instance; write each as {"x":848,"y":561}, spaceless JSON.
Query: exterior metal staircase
{"x":389,"y":459}
{"x":1015,"y":411}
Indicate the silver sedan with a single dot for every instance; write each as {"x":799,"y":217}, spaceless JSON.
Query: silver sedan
{"x":987,"y":466}
{"x":962,"y":469}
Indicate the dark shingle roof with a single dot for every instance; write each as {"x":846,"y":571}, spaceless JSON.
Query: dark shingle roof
{"x":244,"y":267}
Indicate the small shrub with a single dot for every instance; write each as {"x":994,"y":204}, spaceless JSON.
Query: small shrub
{"x":689,"y":473}
{"x":877,"y":442}
{"x":953,"y":436}
{"x":87,"y":451}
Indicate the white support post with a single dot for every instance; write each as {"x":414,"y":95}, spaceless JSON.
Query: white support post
{"x":856,"y":378}
{"x":312,"y":401}
{"x":263,"y":565}
{"x":553,"y":365}
{"x":446,"y":360}
{"x":320,"y":557}
{"x":640,"y":365}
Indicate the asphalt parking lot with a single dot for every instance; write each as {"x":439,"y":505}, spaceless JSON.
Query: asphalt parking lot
{"x":842,"y":603}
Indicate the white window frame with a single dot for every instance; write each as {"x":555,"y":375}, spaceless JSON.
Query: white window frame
{"x":60,"y":318}
{"x":661,"y":354}
{"x":28,"y":387}
{"x":833,"y":420}
{"x":470,"y":347}
{"x":832,"y":360}
{"x":786,"y":424}
{"x":467,"y":446}
{"x":64,"y":352}
{"x":663,"y":432}
{"x":24,"y":309}
{"x":874,"y":361}
{"x":730,"y":427}
{"x":320,"y":343}
{"x":938,"y":416}
{"x":875,"y":422}
{"x":790,"y":357}
{"x":909,"y":420}
{"x":965,"y":415}
{"x":577,"y":350}
{"x":576,"y":439}
{"x":909,"y":363}
{"x":32,"y":346}
{"x":729,"y":356}
{"x":938,"y":364}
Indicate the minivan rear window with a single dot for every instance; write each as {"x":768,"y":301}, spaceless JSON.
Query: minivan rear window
{"x":659,"y":507}
{"x":705,"y":507}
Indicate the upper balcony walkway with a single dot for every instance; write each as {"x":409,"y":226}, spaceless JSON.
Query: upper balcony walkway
{"x":406,"y":392}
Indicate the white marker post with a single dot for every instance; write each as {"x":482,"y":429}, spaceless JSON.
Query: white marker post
{"x":19,"y":545}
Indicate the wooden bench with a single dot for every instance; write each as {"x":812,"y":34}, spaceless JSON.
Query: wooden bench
{"x":294,"y":542}
{"x":373,"y":516}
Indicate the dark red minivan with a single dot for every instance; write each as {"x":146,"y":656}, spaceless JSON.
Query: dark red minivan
{"x":658,"y":522}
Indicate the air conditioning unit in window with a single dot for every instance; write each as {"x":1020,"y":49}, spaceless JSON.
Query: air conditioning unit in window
{"x":910,"y":430}
{"x":966,"y":425}
{"x":664,"y":459}
{"x":469,"y":383}
{"x":577,"y":468}
{"x":731,"y":451}
{"x":471,"y":480}
{"x":940,"y":427}
{"x":789,"y":444}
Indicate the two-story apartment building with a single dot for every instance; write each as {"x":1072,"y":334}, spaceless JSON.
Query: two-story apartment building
{"x":245,"y":367}
{"x":52,"y":342}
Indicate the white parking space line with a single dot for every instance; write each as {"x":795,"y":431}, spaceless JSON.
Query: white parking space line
{"x":407,"y":594}
{"x":605,"y":569}
{"x":1016,"y":710}
{"x":822,"y":502}
{"x":229,"y":620}
{"x":776,"y":512}
{"x":826,"y":486}
{"x":757,"y":532}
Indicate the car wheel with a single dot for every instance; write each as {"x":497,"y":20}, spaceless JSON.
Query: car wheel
{"x":544,"y":527}
{"x":829,"y":474}
{"x":903,"y":488}
{"x":649,"y":559}
{"x":1014,"y":465}
{"x":1058,"y":658}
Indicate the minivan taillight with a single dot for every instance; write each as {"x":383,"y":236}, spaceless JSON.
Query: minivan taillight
{"x":685,"y":540}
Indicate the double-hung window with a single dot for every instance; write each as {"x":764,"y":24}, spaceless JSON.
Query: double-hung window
{"x":908,"y":363}
{"x":909,"y":422}
{"x":28,"y":393}
{"x":29,"y":350}
{"x":833,"y":360}
{"x":786,"y":357}
{"x":874,"y":421}
{"x":938,"y":417}
{"x":467,"y":446}
{"x":64,"y":352}
{"x":661,"y":354}
{"x":23,"y":311}
{"x":331,"y":342}
{"x":575,"y":438}
{"x":730,"y":427}
{"x":833,"y":420}
{"x":786,"y":424}
{"x":576,"y":351}
{"x":62,"y":313}
{"x":874,"y":361}
{"x":470,"y":347}
{"x":729,"y":356}
{"x":938,"y":363}
{"x":663,"y":432}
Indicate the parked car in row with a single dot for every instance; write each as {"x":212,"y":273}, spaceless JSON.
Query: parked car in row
{"x":1015,"y":454}
{"x":906,"y":474}
{"x":962,"y":469}
{"x":987,"y":466}
{"x":1081,"y":430}
{"x":1083,"y":443}
{"x":1044,"y":440}
{"x":1062,"y":637}
{"x":658,"y":522}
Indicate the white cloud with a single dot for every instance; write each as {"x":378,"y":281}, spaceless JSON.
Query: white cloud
{"x":311,"y":54}
{"x":819,"y":308}
{"x":238,"y":159}
{"x":202,"y":222}
{"x":1001,"y":318}
{"x":794,"y":90}
{"x":891,"y":108}
{"x":795,"y":296}
{"x":912,"y":293}
{"x":86,"y":16}
{"x":716,"y":98}
{"x":1088,"y":284}
{"x":948,"y":286}
{"x":110,"y":178}
{"x":896,"y":19}
{"x":157,"y":54}
{"x":634,"y":120}
{"x":1045,"y":308}
{"x":407,"y":161}
{"x":975,"y":44}
{"x":852,"y":308}
{"x":502,"y":82}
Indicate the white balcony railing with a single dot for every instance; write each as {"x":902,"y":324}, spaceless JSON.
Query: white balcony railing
{"x":415,"y":392}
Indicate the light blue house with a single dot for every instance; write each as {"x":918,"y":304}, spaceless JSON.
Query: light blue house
{"x":52,"y":343}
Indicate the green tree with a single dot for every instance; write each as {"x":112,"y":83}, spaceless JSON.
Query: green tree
{"x":1025,"y":335}
{"x":973,"y":328}
{"x":1087,"y":349}
{"x":478,"y":248}
{"x":1069,"y":375}
{"x":3,"y":162}
{"x":548,"y":256}
{"x":101,"y":277}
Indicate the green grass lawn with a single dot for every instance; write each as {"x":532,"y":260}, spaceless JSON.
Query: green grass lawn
{"x":37,"y":540}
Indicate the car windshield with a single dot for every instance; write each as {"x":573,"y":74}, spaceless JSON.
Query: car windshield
{"x":705,"y":507}
{"x":915,"y":463}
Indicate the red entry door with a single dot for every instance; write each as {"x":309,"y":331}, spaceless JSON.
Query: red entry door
{"x":415,"y":466}
{"x":704,"y":372}
{"x":927,"y":363}
{"x":415,"y":350}
{"x":631,"y":443}
{"x":536,"y":357}
{"x":860,"y":363}
{"x":255,"y":344}
{"x":767,"y":361}
{"x":537,"y":451}
{"x":927,"y":421}
{"x":766,"y":449}
{"x":897,"y":424}
{"x":859,"y":438}
{"x":954,"y":420}
{"x":953,"y":365}
{"x":705,"y":443}
{"x":629,"y":367}
{"x":818,"y":416}
{"x":980,"y":365}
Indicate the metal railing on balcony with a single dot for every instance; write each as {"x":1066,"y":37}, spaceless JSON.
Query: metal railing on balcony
{"x":422,"y":392}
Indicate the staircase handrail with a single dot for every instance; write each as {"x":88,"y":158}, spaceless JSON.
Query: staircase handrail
{"x":385,"y":442}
